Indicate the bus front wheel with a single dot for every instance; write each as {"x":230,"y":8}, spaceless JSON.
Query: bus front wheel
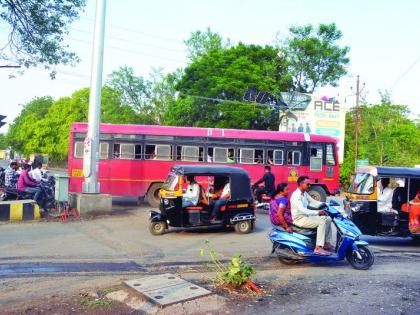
{"x":153,"y":195}
{"x":318,"y":193}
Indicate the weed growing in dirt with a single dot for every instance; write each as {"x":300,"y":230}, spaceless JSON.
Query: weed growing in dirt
{"x":92,"y":303}
{"x":235,"y":273}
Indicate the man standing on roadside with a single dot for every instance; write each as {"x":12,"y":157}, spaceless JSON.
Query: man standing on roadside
{"x":309,"y":219}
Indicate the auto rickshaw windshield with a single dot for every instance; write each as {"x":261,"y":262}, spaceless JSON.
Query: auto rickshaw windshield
{"x":361,"y":183}
{"x":171,"y":182}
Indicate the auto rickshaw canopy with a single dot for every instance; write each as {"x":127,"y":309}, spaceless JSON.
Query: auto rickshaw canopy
{"x":386,"y":171}
{"x":240,"y":183}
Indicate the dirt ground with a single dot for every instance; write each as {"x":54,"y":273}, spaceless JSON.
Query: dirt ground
{"x":392,"y":286}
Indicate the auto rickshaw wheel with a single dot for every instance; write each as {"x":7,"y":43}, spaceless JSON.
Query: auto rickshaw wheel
{"x":153,"y":194}
{"x":243,"y":227}
{"x":157,"y":228}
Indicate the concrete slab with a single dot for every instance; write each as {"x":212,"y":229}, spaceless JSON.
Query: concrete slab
{"x":91,"y":204}
{"x":166,"y":289}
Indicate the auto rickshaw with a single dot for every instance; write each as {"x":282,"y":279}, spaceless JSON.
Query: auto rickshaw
{"x":397,"y":214}
{"x":238,"y":211}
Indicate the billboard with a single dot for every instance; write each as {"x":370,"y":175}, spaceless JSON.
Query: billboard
{"x":322,"y":116}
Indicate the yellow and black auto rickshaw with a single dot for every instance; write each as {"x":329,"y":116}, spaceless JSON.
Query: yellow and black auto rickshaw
{"x":237,"y":210}
{"x":385,"y":201}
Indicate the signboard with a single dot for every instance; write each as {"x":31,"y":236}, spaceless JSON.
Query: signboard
{"x":322,"y":116}
{"x":361,"y":163}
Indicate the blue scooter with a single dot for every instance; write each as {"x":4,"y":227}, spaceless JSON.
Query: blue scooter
{"x":298,"y":246}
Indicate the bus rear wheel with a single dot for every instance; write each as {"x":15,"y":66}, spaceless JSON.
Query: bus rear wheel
{"x":318,"y":193}
{"x":153,"y":195}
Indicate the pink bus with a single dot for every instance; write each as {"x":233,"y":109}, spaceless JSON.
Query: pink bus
{"x":135,"y":159}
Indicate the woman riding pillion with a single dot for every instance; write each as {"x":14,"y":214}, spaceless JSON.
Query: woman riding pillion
{"x":280,"y":214}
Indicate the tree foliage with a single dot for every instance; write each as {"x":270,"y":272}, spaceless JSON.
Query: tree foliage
{"x":37,"y":29}
{"x":387,"y":137}
{"x":314,"y":57}
{"x":3,"y":143}
{"x":49,"y":133}
{"x":226,"y":74}
{"x":201,"y":43}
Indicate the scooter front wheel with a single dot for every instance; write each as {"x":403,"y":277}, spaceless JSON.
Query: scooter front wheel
{"x":362,"y":262}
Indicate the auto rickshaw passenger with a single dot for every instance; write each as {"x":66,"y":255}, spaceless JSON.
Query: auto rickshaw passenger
{"x":385,"y":196}
{"x":224,"y":197}
{"x":192,"y":194}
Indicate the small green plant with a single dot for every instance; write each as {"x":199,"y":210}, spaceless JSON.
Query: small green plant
{"x":235,"y":273}
{"x":91,"y":303}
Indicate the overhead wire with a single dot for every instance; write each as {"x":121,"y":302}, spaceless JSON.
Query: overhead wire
{"x":405,"y":72}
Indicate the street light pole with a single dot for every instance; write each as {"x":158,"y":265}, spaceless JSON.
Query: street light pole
{"x":356,"y":124}
{"x":91,"y":144}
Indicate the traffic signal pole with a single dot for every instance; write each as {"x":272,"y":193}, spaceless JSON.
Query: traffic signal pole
{"x":91,"y":144}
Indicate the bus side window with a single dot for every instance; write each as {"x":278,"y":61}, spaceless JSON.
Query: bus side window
{"x":103,"y":150}
{"x":278,"y":157}
{"x":330,"y":154}
{"x":259,"y":156}
{"x":246,"y":156}
{"x":78,"y":150}
{"x":293,"y":157}
{"x":209,"y":157}
{"x":315,"y":161}
{"x":220,"y":155}
{"x":116,"y":151}
{"x":137,"y":152}
{"x":150,"y":152}
{"x":163,"y":152}
{"x":190,"y":153}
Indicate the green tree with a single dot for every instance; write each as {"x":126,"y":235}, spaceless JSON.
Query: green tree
{"x":49,"y":133}
{"x":387,"y":137}
{"x":22,"y":128}
{"x":162,"y":92}
{"x":3,"y":143}
{"x":314,"y":57}
{"x":36,"y":31}
{"x":201,"y":43}
{"x":226,"y":74}
{"x":133,"y":90}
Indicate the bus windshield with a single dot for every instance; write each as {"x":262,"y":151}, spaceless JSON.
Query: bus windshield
{"x":171,"y":182}
{"x":361,"y":183}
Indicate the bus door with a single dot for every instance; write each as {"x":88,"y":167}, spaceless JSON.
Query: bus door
{"x":104,"y":165}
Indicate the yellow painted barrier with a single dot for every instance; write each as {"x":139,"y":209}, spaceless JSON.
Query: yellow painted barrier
{"x":19,"y":210}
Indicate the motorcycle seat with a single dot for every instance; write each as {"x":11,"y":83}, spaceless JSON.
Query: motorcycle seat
{"x":303,"y":231}
{"x":299,"y":230}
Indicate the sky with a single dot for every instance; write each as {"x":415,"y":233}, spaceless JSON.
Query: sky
{"x":382,"y":36}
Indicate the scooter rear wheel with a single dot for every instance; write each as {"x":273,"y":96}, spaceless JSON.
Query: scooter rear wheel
{"x":367,"y":258}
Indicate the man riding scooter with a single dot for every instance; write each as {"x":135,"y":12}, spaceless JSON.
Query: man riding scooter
{"x":309,"y":219}
{"x":269,"y":184}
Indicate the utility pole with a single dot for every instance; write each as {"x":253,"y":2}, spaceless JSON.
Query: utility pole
{"x":356,"y":123}
{"x":91,"y":145}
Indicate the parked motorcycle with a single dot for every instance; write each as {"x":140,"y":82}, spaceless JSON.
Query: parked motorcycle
{"x":299,"y":245}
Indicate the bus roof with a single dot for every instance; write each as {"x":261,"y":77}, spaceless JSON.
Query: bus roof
{"x":205,"y":132}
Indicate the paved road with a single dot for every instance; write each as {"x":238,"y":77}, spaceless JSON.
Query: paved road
{"x":124,"y":237}
{"x":64,"y":258}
